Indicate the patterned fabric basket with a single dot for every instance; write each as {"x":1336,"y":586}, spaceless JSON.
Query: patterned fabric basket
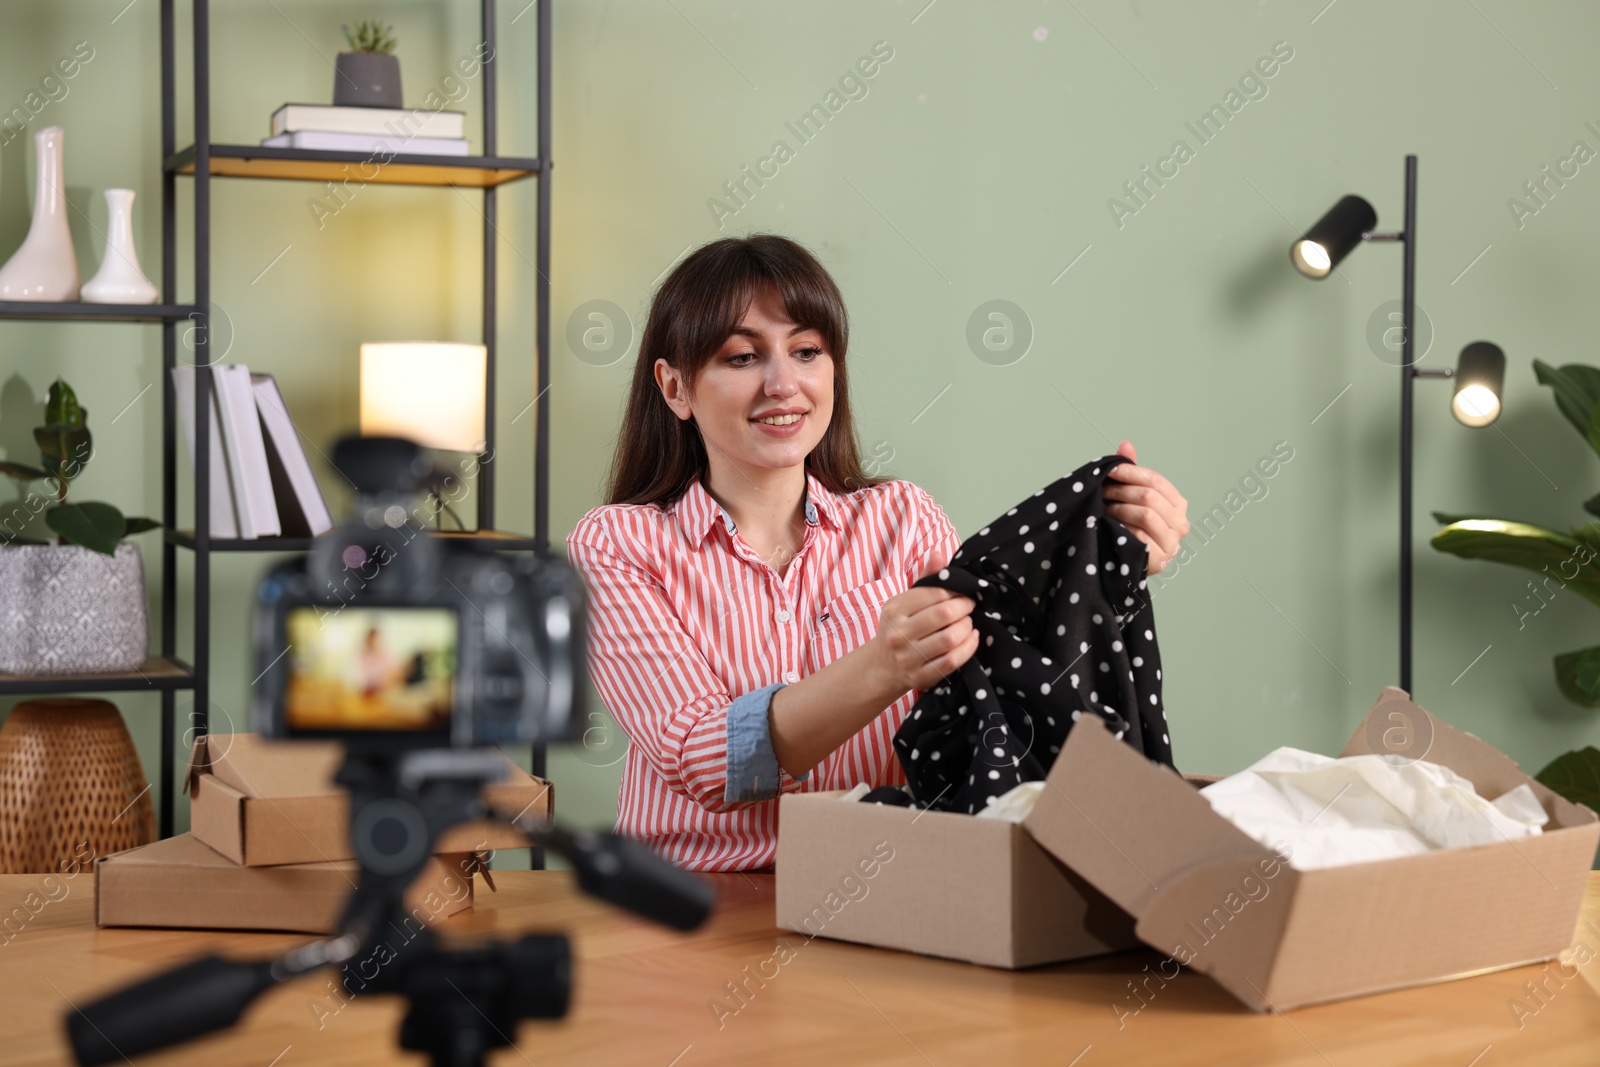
{"x":65,"y":609}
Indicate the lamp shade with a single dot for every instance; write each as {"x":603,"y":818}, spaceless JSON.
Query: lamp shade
{"x":1480,"y":381}
{"x":429,"y":391}
{"x":1334,"y":235}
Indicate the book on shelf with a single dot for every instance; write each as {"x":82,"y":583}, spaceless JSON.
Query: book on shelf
{"x":261,"y":482}
{"x":247,"y":451}
{"x":394,"y":144}
{"x":301,"y":508}
{"x":224,"y":518}
{"x":394,"y":121}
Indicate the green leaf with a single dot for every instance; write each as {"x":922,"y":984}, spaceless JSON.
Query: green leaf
{"x":61,"y":405}
{"x":96,"y":526}
{"x":1578,"y":674}
{"x":1592,"y":505}
{"x":64,"y":449}
{"x":1592,"y":434}
{"x":1577,"y":389}
{"x":1448,"y":517}
{"x":1575,"y":775}
{"x":140,"y":525}
{"x":1565,"y":558}
{"x":23,"y":472}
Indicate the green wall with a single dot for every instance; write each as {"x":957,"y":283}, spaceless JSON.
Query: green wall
{"x":979,"y":165}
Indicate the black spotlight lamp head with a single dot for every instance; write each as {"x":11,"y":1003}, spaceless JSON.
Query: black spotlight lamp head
{"x":1322,"y":247}
{"x":1480,"y":380}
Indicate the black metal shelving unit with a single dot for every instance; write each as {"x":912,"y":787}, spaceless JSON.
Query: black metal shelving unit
{"x":202,"y":161}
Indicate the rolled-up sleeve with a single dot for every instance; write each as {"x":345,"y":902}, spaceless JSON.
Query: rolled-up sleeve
{"x":704,"y":742}
{"x":753,"y":771}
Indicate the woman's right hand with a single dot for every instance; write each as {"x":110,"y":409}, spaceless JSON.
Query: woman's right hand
{"x":924,"y":634}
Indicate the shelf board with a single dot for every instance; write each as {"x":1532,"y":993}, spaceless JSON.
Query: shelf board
{"x":158,"y":673}
{"x":499,"y":540}
{"x":53,"y":311}
{"x":303,"y":164}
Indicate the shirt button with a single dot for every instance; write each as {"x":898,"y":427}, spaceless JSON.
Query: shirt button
{"x":791,"y":676}
{"x":783,"y":615}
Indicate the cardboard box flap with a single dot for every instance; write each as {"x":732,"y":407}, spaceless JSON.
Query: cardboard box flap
{"x":264,"y":767}
{"x":1100,"y":802}
{"x":1206,"y":904}
{"x":199,"y":762}
{"x":1397,"y":725}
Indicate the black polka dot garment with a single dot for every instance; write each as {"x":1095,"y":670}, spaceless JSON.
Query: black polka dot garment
{"x":1065,"y":629}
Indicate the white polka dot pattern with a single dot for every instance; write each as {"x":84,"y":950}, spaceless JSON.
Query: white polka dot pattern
{"x":1062,"y":647}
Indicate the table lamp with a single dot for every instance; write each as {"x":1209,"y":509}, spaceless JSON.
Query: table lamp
{"x":433,"y":392}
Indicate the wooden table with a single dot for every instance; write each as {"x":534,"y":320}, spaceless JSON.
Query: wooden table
{"x":646,"y":995}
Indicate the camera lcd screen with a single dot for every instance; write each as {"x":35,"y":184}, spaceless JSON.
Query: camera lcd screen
{"x":371,"y":669}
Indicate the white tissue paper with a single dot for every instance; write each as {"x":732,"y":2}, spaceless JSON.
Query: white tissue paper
{"x":1014,"y":804}
{"x":1356,"y":809}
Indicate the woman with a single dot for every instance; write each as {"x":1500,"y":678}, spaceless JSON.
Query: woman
{"x":751,"y":625}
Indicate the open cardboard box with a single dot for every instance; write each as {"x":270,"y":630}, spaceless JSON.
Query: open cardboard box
{"x":182,"y":883}
{"x":263,"y":802}
{"x":1278,"y":938}
{"x":935,"y":882}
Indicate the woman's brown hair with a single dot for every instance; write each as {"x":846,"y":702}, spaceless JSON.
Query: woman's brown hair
{"x":696,"y":309}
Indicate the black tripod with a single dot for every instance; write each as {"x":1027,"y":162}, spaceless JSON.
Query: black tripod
{"x":464,"y":1001}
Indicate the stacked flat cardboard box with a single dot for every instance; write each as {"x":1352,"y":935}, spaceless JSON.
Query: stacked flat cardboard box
{"x":268,"y":847}
{"x":1120,"y":851}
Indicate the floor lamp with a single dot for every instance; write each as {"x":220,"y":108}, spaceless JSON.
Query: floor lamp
{"x":1480,"y":369}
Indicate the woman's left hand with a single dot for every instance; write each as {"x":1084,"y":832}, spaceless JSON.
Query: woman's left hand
{"x":1149,"y":505}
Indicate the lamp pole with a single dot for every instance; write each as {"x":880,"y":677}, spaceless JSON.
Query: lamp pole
{"x":1408,"y":374}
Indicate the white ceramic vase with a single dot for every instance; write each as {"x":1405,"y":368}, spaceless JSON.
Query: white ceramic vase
{"x":119,"y":279}
{"x":65,"y":609}
{"x":45,"y":267}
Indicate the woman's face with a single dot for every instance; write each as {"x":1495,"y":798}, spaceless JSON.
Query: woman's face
{"x":766,"y":367}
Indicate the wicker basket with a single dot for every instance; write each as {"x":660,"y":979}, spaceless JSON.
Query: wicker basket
{"x":71,"y":786}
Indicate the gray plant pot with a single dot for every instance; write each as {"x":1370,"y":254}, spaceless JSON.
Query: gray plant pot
{"x":65,"y":609}
{"x":366,"y":79}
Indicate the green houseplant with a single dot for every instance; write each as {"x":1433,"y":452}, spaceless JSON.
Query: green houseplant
{"x":76,"y":604}
{"x":369,"y":74}
{"x":1570,"y":559}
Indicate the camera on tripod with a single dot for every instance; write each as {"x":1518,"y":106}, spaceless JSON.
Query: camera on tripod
{"x":419,"y":653}
{"x":387,"y":636}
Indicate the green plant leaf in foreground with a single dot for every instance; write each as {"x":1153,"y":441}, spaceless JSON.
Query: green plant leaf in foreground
{"x":95,"y":526}
{"x":1578,"y":674}
{"x":1549,"y":552}
{"x":1576,"y":776}
{"x":1577,"y":389}
{"x":139,"y":524}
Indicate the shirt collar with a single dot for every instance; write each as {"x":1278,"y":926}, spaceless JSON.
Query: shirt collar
{"x":698,"y":510}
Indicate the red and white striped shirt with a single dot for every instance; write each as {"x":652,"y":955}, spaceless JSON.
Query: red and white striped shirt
{"x":684,"y":617}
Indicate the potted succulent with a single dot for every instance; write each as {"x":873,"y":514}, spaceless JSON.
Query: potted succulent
{"x":369,"y":74}
{"x":77,"y":604}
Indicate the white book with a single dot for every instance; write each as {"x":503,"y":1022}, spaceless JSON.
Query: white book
{"x":302,"y":510}
{"x":247,"y":452}
{"x":388,"y":143}
{"x":224,"y":520}
{"x":395,"y":121}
